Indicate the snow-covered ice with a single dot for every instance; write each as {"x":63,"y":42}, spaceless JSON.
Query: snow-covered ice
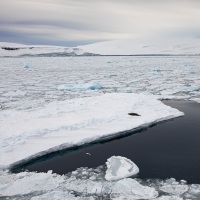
{"x":119,"y":167}
{"x":163,"y":77}
{"x":36,"y":117}
{"x":176,"y":189}
{"x":26,"y":134}
{"x":116,"y":47}
{"x":42,"y":185}
{"x":78,"y":185}
{"x":15,"y":50}
{"x":144,"y":47}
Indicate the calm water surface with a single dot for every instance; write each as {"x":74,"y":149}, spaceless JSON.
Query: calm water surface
{"x":168,"y":149}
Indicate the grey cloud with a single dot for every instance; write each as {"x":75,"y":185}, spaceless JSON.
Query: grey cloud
{"x":94,"y":20}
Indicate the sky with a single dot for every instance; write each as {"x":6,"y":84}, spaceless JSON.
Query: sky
{"x":78,"y":22}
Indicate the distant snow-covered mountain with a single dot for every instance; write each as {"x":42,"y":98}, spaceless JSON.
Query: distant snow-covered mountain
{"x":117,"y":47}
{"x":15,"y":50}
{"x":145,"y":47}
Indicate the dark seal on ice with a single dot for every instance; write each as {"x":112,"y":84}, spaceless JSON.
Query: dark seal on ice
{"x":133,"y":114}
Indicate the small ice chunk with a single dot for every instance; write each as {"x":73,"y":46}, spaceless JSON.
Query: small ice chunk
{"x":58,"y":195}
{"x":50,"y":172}
{"x":175,"y":189}
{"x":169,"y":198}
{"x":194,"y":189}
{"x":30,"y":183}
{"x":17,"y":93}
{"x":131,"y":189}
{"x":119,"y":167}
{"x":25,"y":66}
{"x":80,"y":87}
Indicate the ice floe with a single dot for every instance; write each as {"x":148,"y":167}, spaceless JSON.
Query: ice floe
{"x":26,"y":134}
{"x":119,"y":167}
{"x":25,"y":183}
{"x":174,"y":188}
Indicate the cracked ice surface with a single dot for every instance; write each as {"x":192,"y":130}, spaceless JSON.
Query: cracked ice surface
{"x":89,"y":184}
{"x":166,"y":77}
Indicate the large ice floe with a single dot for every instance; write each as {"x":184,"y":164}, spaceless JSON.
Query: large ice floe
{"x":26,"y":134}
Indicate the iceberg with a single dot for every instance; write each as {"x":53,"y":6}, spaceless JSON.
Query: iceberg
{"x":119,"y":167}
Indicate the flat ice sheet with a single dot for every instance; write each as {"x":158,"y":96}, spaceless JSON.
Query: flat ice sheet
{"x":26,"y":88}
{"x":25,"y":134}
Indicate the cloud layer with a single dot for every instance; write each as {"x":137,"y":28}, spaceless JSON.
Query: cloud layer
{"x":72,"y":22}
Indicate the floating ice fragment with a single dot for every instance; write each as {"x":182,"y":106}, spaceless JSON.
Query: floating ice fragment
{"x":194,"y":189}
{"x":169,"y":198}
{"x":25,"y":66}
{"x":120,"y":167}
{"x":17,"y":93}
{"x":59,"y":195}
{"x":175,"y":189}
{"x":131,"y":189}
{"x":80,"y":87}
{"x":27,"y":183}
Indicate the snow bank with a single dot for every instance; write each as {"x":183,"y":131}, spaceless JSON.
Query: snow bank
{"x":119,"y":167}
{"x":80,"y":87}
{"x":26,"y":134}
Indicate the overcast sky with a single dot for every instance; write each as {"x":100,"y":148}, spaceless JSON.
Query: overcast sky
{"x":75,"y":22}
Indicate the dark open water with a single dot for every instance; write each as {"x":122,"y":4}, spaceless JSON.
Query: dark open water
{"x":168,"y":149}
